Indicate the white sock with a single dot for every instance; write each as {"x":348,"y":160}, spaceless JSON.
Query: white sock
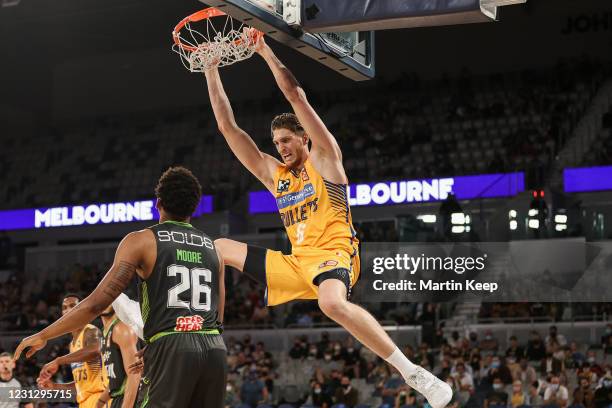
{"x":398,"y":360}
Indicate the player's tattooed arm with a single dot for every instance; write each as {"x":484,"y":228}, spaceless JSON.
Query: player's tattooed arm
{"x":130,"y":253}
{"x":321,"y":137}
{"x":260,"y":164}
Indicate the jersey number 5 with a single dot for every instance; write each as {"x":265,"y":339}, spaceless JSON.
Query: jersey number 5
{"x":301,"y":229}
{"x":190,"y":279}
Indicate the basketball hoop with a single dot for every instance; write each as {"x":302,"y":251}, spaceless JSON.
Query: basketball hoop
{"x":222,"y":45}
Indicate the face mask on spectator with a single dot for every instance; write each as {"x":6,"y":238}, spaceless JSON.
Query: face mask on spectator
{"x":337,"y":347}
{"x":394,"y":375}
{"x":228,"y":387}
{"x":495,"y":364}
{"x":607,"y":383}
{"x":497,"y":386}
{"x":327,"y":357}
{"x":554,"y":387}
{"x":350,"y":349}
{"x":317,"y":390}
{"x":591,"y":359}
{"x":488,"y":337}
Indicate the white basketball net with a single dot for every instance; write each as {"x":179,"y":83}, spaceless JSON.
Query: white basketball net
{"x":202,"y":50}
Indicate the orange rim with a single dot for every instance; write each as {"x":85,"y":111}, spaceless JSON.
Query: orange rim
{"x":199,"y":16}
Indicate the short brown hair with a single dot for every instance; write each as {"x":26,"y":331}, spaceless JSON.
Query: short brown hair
{"x":287,"y":121}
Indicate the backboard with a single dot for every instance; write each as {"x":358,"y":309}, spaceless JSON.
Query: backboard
{"x":349,"y":53}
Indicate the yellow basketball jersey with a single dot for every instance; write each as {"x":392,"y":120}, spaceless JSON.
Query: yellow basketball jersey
{"x":88,"y":376}
{"x":314,"y":211}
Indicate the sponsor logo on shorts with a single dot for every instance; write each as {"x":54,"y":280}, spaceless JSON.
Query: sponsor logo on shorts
{"x":328,"y":263}
{"x":189,"y":323}
{"x":283,"y":185}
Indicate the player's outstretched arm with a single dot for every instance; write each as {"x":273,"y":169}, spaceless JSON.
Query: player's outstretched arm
{"x":321,"y":137}
{"x":128,"y":256}
{"x":127,"y":341}
{"x":260,"y":164}
{"x":90,"y":351}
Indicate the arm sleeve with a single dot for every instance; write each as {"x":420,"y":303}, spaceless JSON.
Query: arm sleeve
{"x":128,"y":311}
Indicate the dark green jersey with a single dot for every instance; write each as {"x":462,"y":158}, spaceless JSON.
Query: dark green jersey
{"x":113,"y":362}
{"x":182,"y":293}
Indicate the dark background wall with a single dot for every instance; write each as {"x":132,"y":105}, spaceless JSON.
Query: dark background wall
{"x":65,"y":60}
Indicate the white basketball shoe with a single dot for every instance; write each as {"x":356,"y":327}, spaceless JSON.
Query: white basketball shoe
{"x":437,"y":392}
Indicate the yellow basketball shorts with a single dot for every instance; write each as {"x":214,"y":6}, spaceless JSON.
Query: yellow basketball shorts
{"x":91,"y":401}
{"x":291,"y":277}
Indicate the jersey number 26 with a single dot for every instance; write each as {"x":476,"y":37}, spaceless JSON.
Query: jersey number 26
{"x":190,"y":279}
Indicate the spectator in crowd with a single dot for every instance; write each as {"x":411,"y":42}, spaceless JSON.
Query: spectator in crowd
{"x":583,"y":394}
{"x":231,"y":397}
{"x":332,"y":383}
{"x":592,"y":361}
{"x":299,"y":350}
{"x":473,"y":340}
{"x":551,"y":365}
{"x":455,"y":341}
{"x":346,"y":394}
{"x":515,"y":350}
{"x":533,"y":395}
{"x":474,"y":362}
{"x":576,"y":356}
{"x":556,"y":393}
{"x":603,"y":392}
{"x":605,"y":339}
{"x":554,"y":337}
{"x":526,"y":373}
{"x":586,"y":372}
{"x":464,"y":383}
{"x":499,"y":370}
{"x":497,"y":395}
{"x":328,"y":364}
{"x":318,"y":397}
{"x":352,"y":359}
{"x":391,"y":388}
{"x":323,"y":344}
{"x":607,"y":348}
{"x":253,"y":391}
{"x":489,"y":343}
{"x":518,"y":397}
{"x":536,"y":350}
{"x":406,"y":398}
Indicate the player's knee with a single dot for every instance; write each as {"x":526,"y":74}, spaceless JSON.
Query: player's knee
{"x":334,"y":307}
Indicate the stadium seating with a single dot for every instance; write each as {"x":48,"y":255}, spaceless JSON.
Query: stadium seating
{"x":511,"y":121}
